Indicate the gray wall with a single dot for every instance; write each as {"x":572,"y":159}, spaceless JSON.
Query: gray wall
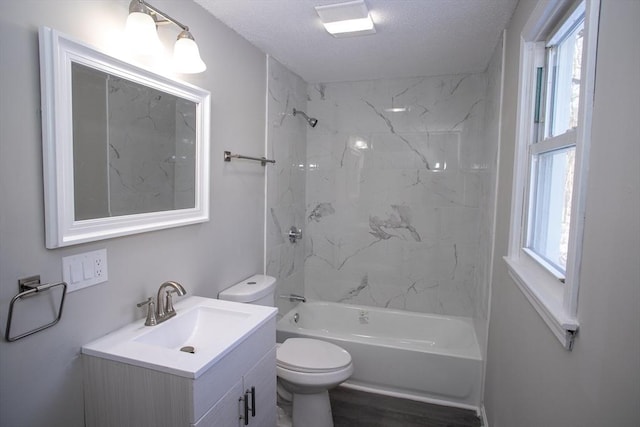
{"x":531,"y":380}
{"x":40,"y":376}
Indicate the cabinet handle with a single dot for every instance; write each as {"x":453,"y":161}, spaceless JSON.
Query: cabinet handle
{"x":246,"y":408}
{"x":253,"y":401}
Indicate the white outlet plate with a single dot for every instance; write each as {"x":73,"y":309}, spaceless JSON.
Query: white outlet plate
{"x":86,"y":269}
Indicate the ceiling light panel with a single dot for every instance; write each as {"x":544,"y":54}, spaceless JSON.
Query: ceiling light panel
{"x":346,"y":19}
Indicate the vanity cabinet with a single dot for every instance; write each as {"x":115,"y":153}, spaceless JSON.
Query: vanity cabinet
{"x":119,"y":394}
{"x":250,"y":402}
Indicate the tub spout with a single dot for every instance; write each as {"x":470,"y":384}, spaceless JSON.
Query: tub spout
{"x":294,"y":298}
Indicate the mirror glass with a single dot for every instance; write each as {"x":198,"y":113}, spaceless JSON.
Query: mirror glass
{"x":125,"y":150}
{"x":133,"y":147}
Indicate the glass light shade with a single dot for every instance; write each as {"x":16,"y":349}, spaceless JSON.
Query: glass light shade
{"x":141,"y":32}
{"x":186,"y":57}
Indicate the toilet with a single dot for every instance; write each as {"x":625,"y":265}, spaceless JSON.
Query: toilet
{"x":307,"y":368}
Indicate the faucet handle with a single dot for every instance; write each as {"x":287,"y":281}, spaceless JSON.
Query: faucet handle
{"x":151,"y":312}
{"x":168,"y":301}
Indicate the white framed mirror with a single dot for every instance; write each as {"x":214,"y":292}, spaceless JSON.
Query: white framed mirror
{"x":125,"y":150}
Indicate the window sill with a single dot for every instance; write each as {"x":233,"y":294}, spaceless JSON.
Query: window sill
{"x":546,"y":296}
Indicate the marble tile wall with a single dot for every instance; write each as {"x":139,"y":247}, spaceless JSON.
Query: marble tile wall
{"x":286,"y":143}
{"x":139,"y":160}
{"x":151,"y":141}
{"x":395,"y":185}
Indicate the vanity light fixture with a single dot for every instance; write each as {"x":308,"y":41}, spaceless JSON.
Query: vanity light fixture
{"x":346,"y":19}
{"x":141,"y":29}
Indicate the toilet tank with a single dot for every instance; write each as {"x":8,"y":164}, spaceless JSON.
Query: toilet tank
{"x":257,"y":289}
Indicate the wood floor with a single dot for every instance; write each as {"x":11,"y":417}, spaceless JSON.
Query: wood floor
{"x":352,"y":408}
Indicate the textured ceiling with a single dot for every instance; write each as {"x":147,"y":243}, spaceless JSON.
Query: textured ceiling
{"x":414,"y":37}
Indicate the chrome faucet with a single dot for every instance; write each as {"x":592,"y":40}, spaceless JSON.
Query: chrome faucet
{"x":165,"y":310}
{"x":294,"y":297}
{"x":161,"y":310}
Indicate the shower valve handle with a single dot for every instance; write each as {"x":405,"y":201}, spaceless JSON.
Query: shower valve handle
{"x":295,"y":234}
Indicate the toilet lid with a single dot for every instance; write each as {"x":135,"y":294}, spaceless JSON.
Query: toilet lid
{"x":309,"y":355}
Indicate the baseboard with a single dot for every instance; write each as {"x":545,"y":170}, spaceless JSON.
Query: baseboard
{"x":483,"y":415}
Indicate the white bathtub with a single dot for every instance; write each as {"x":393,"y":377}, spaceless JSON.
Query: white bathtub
{"x":423,"y":357}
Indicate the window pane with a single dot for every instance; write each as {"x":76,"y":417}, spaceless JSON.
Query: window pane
{"x":550,"y":211}
{"x":565,"y":63}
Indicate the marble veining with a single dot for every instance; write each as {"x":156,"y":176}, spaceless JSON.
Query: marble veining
{"x":364,"y":283}
{"x":286,"y":142}
{"x":395,"y":187}
{"x":398,"y":220}
{"x":392,"y":130}
{"x":151,"y":149}
{"x":150,"y":140}
{"x":321,"y":210}
{"x":393,"y":190}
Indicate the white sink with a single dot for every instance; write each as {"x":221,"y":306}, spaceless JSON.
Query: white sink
{"x":209,"y":327}
{"x":201,"y":327}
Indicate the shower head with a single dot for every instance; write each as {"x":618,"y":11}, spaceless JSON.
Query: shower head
{"x":311,"y":120}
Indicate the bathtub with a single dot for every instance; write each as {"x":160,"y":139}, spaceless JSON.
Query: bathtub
{"x":423,"y":357}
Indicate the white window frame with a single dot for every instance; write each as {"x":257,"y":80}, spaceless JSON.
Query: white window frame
{"x":555,"y":302}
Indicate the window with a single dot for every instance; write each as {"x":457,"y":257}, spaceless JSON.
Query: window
{"x":556,"y":87}
{"x":552,"y":149}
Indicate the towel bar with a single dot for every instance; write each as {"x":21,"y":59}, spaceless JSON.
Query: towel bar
{"x":228,"y":156}
{"x":29,"y":287}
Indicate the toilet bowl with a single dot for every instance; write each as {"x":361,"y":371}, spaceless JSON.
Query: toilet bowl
{"x":307,"y":368}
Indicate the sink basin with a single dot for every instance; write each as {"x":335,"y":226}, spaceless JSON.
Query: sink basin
{"x":201,"y":333}
{"x":199,"y":328}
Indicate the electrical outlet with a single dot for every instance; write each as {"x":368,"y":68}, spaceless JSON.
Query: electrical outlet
{"x":86,"y":269}
{"x":100,"y":265}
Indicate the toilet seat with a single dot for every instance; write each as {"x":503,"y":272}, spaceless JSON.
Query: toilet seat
{"x":311,"y":356}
